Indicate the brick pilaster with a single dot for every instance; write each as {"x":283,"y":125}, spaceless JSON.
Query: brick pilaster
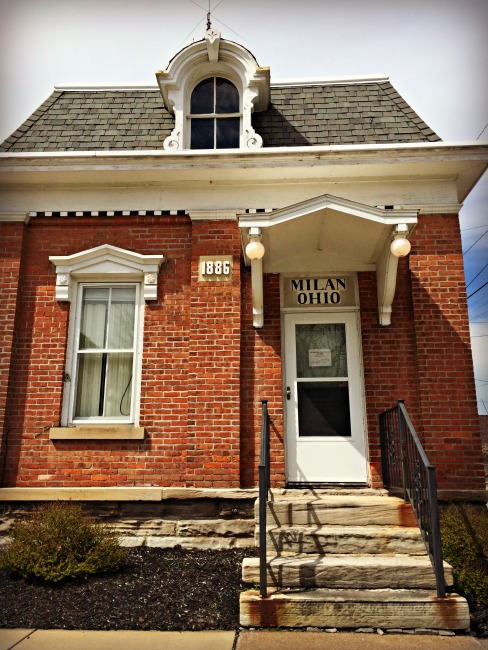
{"x":213,"y":445}
{"x":446,"y":389}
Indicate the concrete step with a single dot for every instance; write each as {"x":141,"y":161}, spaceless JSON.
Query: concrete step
{"x":338,"y":509}
{"x":359,"y":540}
{"x":350,"y":608}
{"x":346,"y":571}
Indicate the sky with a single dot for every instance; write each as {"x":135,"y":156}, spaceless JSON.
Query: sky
{"x":434,"y":51}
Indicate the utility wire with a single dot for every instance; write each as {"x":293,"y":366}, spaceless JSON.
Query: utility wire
{"x":479,"y":289}
{"x":481,"y":237}
{"x":474,"y":228}
{"x":482,"y":131}
{"x":479,"y":273}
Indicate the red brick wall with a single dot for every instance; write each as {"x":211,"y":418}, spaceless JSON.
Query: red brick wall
{"x":261,"y":379}
{"x":213,"y":451}
{"x":424,"y":357}
{"x":190,"y":362}
{"x":205,"y":368}
{"x":389,"y":359}
{"x":11,"y":240}
{"x":447,"y":400}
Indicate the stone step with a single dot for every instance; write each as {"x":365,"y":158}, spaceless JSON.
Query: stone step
{"x":359,"y":540}
{"x":338,"y":509}
{"x":350,"y":608}
{"x":348,"y":571}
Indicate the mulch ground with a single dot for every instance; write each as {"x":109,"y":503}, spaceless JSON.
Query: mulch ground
{"x":155,"y":589}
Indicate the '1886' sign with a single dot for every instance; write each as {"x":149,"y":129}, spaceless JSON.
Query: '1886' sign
{"x":320,"y":292}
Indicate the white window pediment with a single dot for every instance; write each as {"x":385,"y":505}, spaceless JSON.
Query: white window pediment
{"x":109,"y":263}
{"x":213,"y":57}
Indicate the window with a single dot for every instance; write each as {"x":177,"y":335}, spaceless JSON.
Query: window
{"x":214,"y":115}
{"x":107,"y":287}
{"x":105,"y":353}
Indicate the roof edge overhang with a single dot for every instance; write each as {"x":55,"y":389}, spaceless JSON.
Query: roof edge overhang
{"x":444,"y":147}
{"x":461,"y":163}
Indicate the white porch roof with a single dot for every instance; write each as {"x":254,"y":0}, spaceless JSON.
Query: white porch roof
{"x":329,"y":234}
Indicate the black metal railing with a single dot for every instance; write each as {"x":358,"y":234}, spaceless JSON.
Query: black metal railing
{"x":264,"y":474}
{"x":405,"y":465}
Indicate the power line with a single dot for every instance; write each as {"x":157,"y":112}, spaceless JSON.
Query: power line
{"x":479,"y":273}
{"x":482,"y":131}
{"x":481,"y":237}
{"x":474,"y":228}
{"x":479,"y":289}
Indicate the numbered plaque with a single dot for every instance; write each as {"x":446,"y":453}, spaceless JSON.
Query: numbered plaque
{"x":215,"y":268}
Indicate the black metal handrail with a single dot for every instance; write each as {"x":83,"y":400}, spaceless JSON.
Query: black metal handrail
{"x":405,"y":465}
{"x":264,"y":475}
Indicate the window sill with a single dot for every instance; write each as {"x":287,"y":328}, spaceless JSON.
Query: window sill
{"x":97,"y":433}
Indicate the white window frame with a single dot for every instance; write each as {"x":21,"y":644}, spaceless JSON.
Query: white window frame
{"x":102,"y":266}
{"x":72,"y":361}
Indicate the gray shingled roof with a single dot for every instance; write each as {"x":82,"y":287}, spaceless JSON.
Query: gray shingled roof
{"x":297,"y":116}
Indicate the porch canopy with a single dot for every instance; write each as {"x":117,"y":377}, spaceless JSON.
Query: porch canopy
{"x":327,"y":234}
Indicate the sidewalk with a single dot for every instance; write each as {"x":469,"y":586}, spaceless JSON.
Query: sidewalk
{"x":218,"y":640}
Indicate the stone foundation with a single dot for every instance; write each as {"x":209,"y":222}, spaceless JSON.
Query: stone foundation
{"x":151,"y":517}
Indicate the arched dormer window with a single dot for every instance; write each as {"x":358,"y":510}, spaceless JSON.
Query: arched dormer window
{"x":212,"y":87}
{"x":215,"y":119}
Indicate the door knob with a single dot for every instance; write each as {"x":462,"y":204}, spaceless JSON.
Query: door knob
{"x":288,"y":392}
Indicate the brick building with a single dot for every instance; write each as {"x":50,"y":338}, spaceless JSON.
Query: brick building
{"x":172,"y":255}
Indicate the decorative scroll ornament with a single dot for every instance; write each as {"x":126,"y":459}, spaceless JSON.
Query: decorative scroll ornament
{"x":252,"y":139}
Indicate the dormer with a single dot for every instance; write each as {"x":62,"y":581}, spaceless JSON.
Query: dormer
{"x":212,"y":87}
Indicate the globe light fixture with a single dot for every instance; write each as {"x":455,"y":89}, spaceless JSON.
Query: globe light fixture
{"x":255,"y":250}
{"x":400,"y":246}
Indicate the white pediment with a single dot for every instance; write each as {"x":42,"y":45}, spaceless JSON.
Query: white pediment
{"x":106,"y":263}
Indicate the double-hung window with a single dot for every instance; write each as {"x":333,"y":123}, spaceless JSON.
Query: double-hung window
{"x":215,"y":119}
{"x":107,"y":287}
{"x":105,"y":353}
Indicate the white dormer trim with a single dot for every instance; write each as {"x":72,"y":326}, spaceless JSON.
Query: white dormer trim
{"x":107,"y":262}
{"x":208,"y":58}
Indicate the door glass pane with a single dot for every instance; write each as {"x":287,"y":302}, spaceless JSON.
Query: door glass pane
{"x":323,"y":408}
{"x":321,"y":350}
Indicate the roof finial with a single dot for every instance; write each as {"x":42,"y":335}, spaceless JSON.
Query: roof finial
{"x":209,"y":22}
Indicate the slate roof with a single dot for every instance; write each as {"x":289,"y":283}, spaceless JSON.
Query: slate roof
{"x":327,"y":114}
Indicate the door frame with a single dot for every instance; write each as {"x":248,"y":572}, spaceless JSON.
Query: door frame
{"x":358,"y":443}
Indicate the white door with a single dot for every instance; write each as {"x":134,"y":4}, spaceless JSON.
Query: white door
{"x":325,"y":431}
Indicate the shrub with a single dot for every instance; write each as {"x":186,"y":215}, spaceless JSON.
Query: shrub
{"x":59,"y":541}
{"x":464,"y":531}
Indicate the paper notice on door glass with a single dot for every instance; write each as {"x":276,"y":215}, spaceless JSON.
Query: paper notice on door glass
{"x":319,"y":357}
